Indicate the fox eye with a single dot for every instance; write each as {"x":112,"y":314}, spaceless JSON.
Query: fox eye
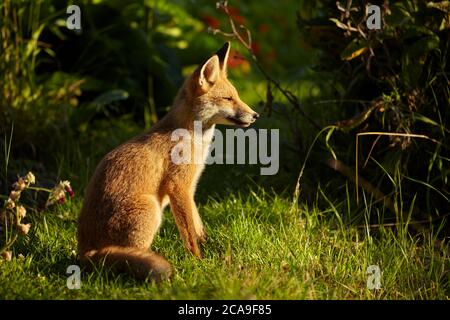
{"x":228,"y":98}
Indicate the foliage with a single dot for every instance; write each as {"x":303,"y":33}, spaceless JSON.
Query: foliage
{"x":392,"y":81}
{"x":56,"y":83}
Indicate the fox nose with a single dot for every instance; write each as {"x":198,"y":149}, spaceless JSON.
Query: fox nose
{"x":255,"y":116}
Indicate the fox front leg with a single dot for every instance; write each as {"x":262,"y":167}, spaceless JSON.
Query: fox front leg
{"x":184,"y":210}
{"x":198,"y":224}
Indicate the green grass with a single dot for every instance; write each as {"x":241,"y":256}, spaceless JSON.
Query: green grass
{"x":260,"y":245}
{"x":258,"y":248}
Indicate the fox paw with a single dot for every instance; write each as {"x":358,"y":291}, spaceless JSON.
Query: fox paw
{"x":202,"y":237}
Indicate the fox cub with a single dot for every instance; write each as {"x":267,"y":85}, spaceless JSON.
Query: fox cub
{"x":130,"y":187}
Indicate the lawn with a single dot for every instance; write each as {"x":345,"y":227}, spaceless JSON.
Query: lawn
{"x":260,"y":246}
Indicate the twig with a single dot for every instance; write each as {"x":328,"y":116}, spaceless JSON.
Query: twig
{"x":293,"y":99}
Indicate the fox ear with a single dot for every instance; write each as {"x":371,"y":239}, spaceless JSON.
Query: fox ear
{"x":209,"y":73}
{"x":223,"y":53}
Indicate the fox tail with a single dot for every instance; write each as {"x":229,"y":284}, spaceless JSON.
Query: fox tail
{"x":140,"y":263}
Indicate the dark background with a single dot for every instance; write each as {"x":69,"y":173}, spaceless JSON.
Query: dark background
{"x":67,"y":98}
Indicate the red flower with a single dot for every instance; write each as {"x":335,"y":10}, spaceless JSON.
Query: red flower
{"x":256,"y":48}
{"x":233,"y":11}
{"x":239,"y":19}
{"x":211,"y":21}
{"x":69,"y":191}
{"x":235,"y":59}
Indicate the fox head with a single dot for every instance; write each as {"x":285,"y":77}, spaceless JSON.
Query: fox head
{"x":215,"y":99}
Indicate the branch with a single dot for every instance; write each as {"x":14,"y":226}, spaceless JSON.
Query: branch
{"x":293,"y":99}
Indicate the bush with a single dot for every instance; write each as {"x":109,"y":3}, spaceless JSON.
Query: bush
{"x":392,"y":86}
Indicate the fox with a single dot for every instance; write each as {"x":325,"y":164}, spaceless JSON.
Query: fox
{"x":125,"y":198}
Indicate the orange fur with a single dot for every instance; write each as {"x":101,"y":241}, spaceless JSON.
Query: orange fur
{"x":124,"y":201}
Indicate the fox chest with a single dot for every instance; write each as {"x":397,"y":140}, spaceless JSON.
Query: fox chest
{"x":202,"y":149}
{"x":188,"y":160}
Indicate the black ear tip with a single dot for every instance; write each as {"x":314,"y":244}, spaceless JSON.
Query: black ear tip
{"x":223,"y":51}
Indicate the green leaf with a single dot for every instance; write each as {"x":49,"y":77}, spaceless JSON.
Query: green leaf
{"x":32,"y":44}
{"x":339,"y":24}
{"x":350,"y":124}
{"x":425,"y":44}
{"x":443,"y":6}
{"x":354,"y":49}
{"x":419,"y":117}
{"x":327,"y":142}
